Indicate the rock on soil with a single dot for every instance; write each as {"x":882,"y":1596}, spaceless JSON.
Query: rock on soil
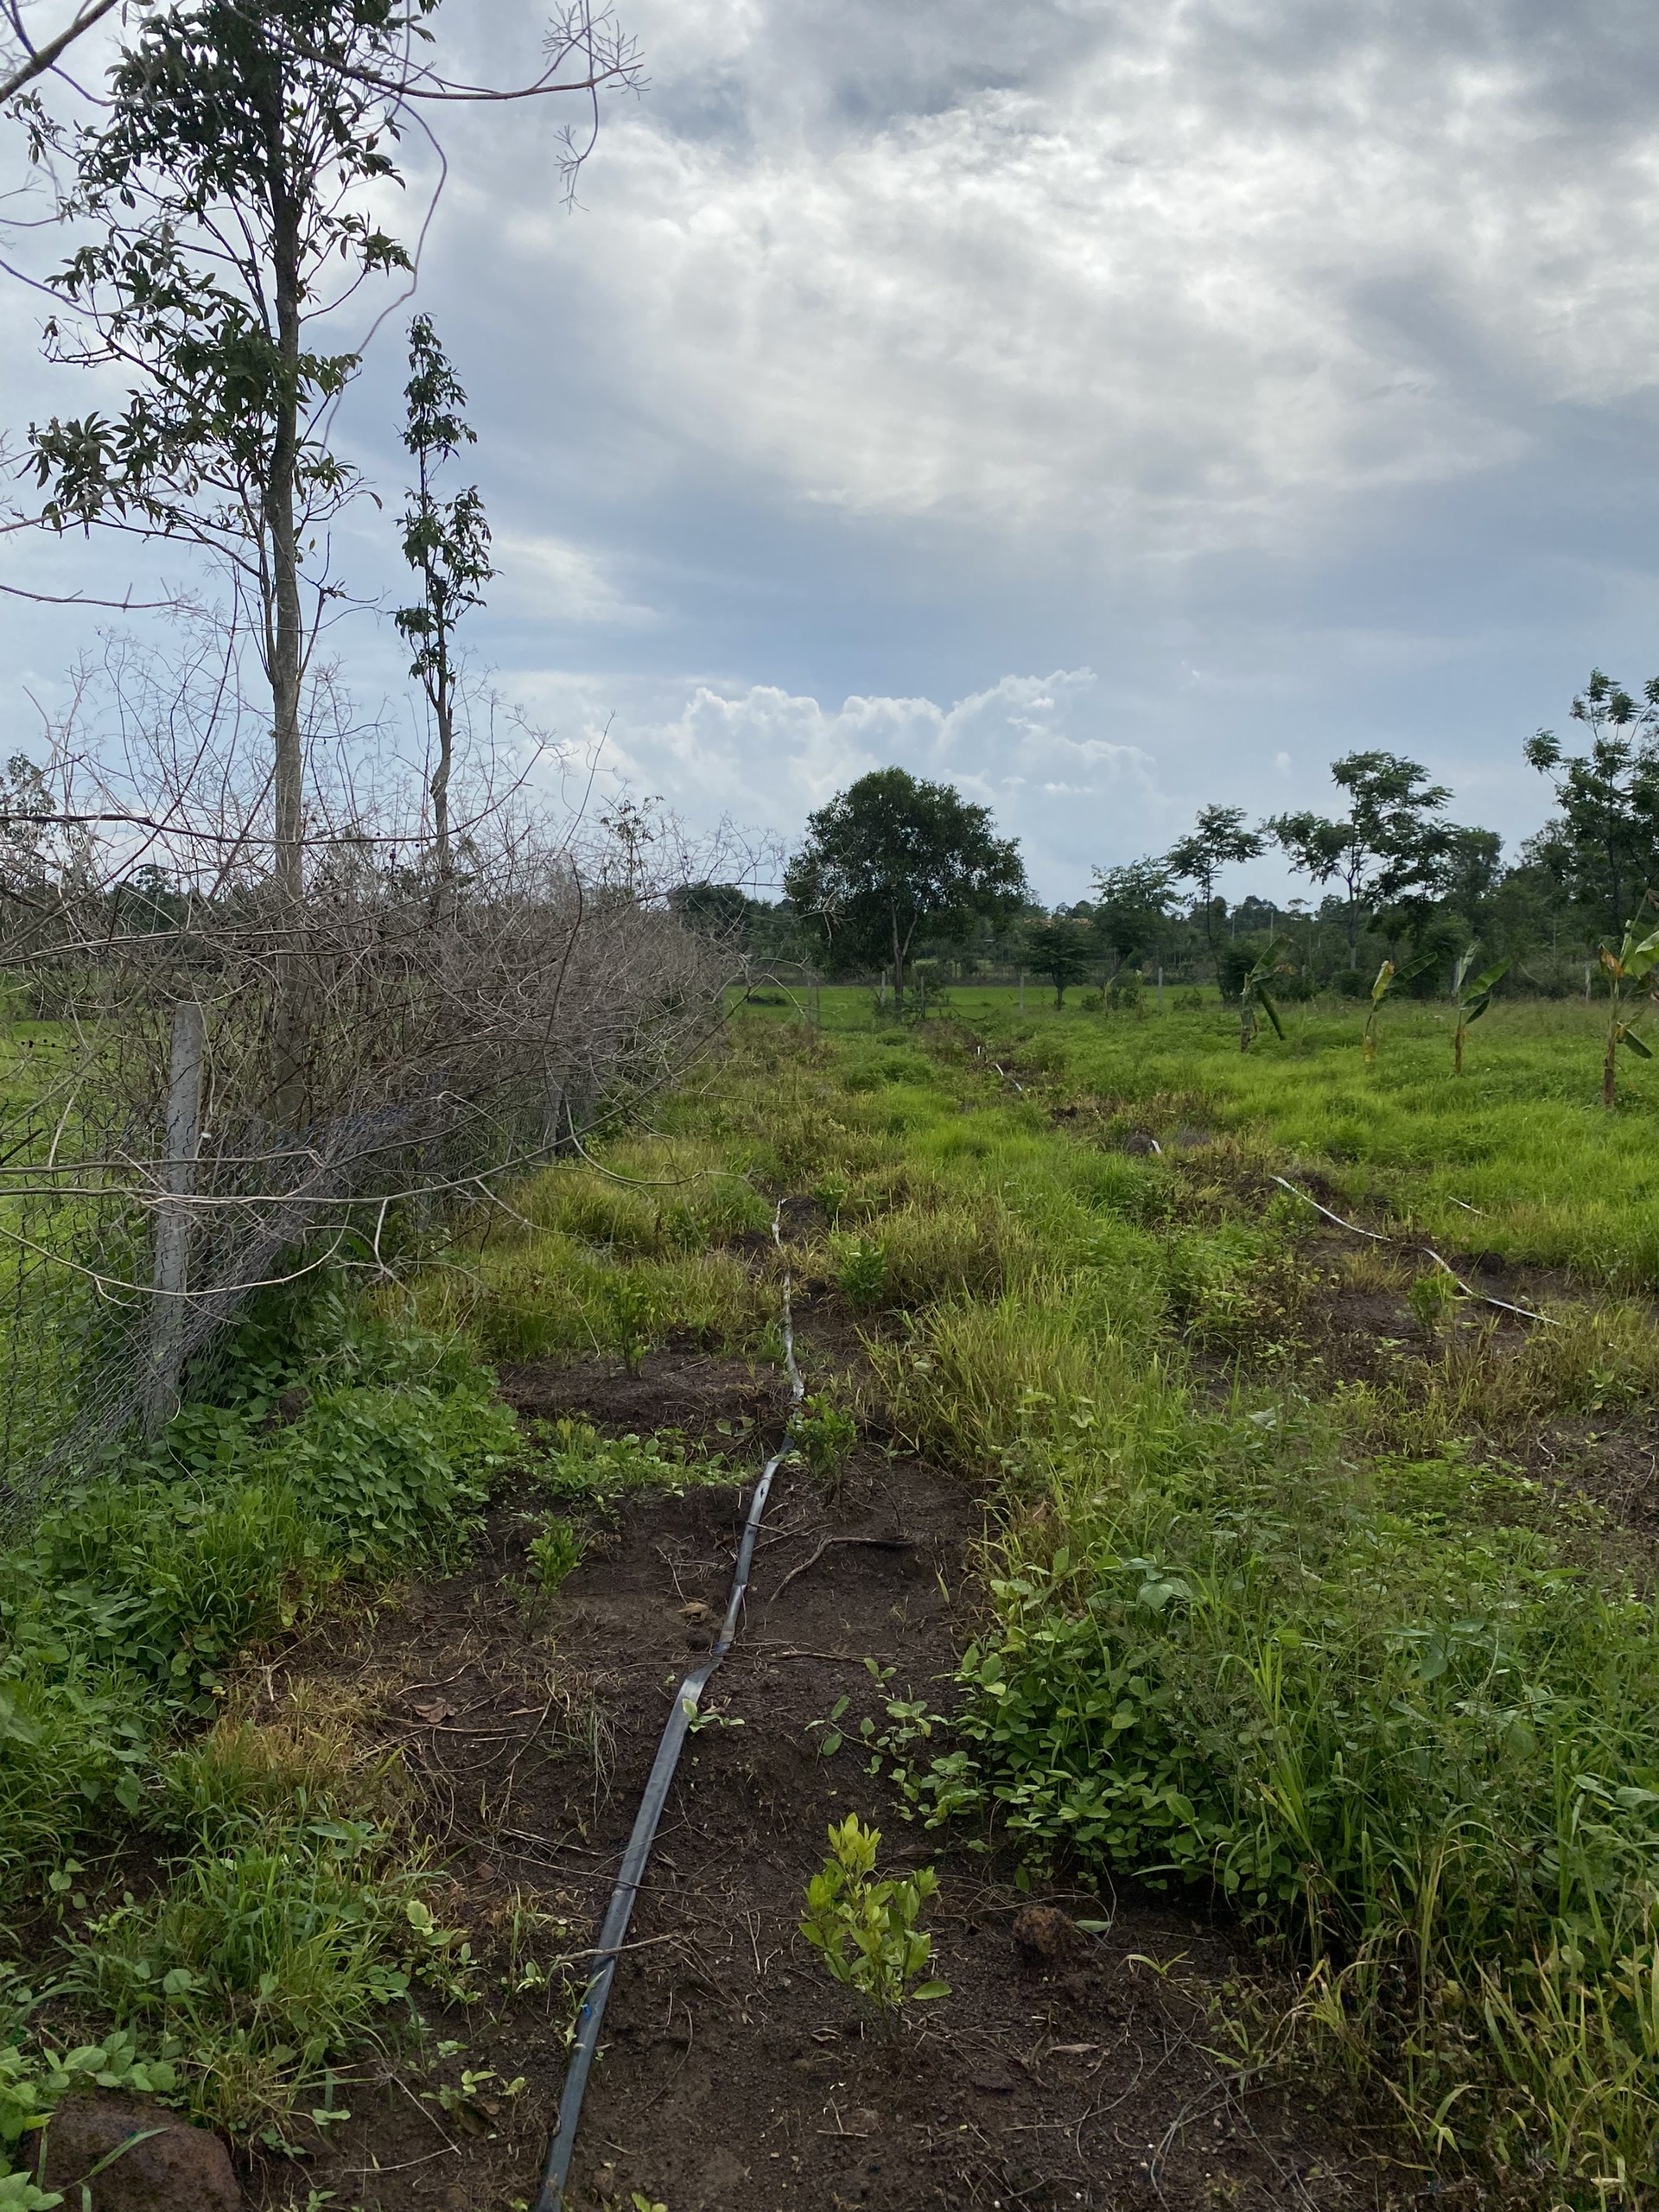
{"x":178,"y":2169}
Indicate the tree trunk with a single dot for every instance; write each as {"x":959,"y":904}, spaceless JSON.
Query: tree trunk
{"x":444,"y":711}
{"x":1610,"y":1063}
{"x":440,"y":691}
{"x":282,"y":538}
{"x":898,"y":962}
{"x":283,"y":624}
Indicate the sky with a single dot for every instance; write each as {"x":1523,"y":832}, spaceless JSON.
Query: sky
{"x":1106,"y":406}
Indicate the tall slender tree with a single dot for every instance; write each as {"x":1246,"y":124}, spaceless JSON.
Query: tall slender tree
{"x":447,"y":543}
{"x":1216,"y":839}
{"x":229,"y":190}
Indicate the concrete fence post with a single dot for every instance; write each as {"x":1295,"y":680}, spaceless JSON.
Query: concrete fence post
{"x":170,"y":1279}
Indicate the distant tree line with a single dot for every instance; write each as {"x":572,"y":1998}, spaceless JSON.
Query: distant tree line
{"x":896,"y":872}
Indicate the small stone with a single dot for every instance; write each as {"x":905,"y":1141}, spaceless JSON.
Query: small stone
{"x":178,"y":2169}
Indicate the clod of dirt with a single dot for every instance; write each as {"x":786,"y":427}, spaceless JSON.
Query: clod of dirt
{"x":699,"y":1615}
{"x":178,"y":2169}
{"x":1044,"y":1937}
{"x":991,"y":2085}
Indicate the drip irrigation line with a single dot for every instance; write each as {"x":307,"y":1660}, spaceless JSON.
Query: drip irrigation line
{"x":1353,"y":1228}
{"x":613,"y":1935}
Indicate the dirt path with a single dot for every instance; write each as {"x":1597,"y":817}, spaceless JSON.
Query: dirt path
{"x":734,"y":2075}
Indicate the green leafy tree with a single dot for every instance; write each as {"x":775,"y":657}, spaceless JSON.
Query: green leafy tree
{"x":1216,"y":839}
{"x":891,"y":855}
{"x":1131,"y":907}
{"x":1057,"y":949}
{"x":1603,"y":845}
{"x":716,"y":910}
{"x":447,"y":542}
{"x":1390,"y":848}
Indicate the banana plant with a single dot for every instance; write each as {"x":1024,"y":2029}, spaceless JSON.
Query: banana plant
{"x":1472,"y":998}
{"x":1628,"y":968}
{"x":1387,"y":976}
{"x":1254,"y":994}
{"x":1380,"y":990}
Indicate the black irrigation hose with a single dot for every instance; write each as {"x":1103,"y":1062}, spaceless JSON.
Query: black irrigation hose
{"x":613,"y":1935}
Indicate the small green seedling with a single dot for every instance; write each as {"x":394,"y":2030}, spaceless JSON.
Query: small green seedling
{"x":553,"y":1554}
{"x":633,"y":1317}
{"x":824,"y":1434}
{"x":862,"y":1273}
{"x":834,"y":1734}
{"x":1633,"y":963}
{"x":832,"y":1195}
{"x":1472,"y":998}
{"x":1432,"y":1297}
{"x":866,"y":1930}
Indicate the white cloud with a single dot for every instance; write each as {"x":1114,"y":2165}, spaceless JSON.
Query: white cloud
{"x":550,"y":579}
{"x":765,"y":756}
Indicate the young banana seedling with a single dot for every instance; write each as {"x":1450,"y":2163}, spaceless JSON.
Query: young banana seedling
{"x":1626,"y":969}
{"x":1387,"y":976}
{"x":1254,"y":994}
{"x":1470,"y":998}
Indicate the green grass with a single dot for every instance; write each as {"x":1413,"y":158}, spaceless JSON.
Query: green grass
{"x":285,"y":1922}
{"x":1317,"y":1648}
{"x":1314,"y":1646}
{"x":1523,"y":1137}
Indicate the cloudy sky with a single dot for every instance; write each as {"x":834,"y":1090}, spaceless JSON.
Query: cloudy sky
{"x":1107,"y":405}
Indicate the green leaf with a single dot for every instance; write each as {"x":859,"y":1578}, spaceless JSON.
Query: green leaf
{"x":1643,"y":1051}
{"x":927,"y":1992}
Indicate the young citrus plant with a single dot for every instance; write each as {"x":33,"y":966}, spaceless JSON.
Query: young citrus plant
{"x":866,"y":1930}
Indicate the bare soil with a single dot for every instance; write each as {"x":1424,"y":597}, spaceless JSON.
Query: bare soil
{"x":1064,"y":2069}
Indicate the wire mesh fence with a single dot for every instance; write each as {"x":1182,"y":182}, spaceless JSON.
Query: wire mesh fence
{"x":125,"y":1258}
